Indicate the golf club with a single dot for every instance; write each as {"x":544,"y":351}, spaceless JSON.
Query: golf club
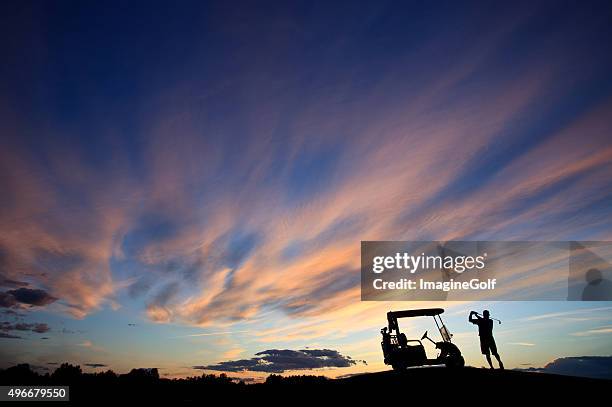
{"x":494,"y":319}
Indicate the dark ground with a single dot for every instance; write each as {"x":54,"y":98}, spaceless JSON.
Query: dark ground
{"x":432,"y":385}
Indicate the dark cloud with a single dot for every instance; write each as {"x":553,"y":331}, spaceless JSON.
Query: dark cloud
{"x":95,"y":365}
{"x":41,"y":328}
{"x":599,"y":367}
{"x":27,"y":296}
{"x":7,"y":300}
{"x":7,"y":282}
{"x":67,"y":331}
{"x":32,"y":296}
{"x":280,"y":360}
{"x":37,"y":327}
{"x":22,"y":326}
{"x":9,"y":336}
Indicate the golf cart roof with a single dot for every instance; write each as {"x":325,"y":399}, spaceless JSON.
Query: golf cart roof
{"x":425,"y":312}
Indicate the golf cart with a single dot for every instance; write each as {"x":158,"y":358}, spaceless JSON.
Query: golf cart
{"x":401,"y":353}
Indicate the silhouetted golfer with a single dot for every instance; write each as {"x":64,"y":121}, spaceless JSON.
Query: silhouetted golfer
{"x":485,"y":331}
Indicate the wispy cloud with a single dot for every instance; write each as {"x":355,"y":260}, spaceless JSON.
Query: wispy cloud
{"x":87,"y":344}
{"x":604,"y":330}
{"x":563,"y":314}
{"x":211,"y":334}
{"x":529,"y":344}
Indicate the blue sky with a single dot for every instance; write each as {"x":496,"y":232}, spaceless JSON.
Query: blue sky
{"x":210,"y":168}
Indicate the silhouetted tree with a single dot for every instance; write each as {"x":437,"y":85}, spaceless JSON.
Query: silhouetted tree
{"x":67,"y":373}
{"x":19,"y":374}
{"x":143,"y":374}
{"x":274,"y":379}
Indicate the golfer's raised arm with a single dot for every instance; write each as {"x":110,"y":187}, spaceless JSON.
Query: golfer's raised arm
{"x":471,"y":319}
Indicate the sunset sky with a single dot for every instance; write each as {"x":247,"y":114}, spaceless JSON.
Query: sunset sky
{"x":183,"y":184}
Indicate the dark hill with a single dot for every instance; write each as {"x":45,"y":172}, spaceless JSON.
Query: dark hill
{"x":426,"y":377}
{"x":432,"y":384}
{"x":473,"y":385}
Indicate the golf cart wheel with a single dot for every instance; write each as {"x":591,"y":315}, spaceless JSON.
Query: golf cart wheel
{"x":455,"y":362}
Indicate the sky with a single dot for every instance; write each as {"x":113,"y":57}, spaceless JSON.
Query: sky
{"x":188,"y":184}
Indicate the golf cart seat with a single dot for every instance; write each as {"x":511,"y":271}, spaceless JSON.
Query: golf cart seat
{"x":413,"y":353}
{"x":405,"y":352}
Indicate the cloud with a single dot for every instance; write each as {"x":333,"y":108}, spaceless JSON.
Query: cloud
{"x":9,"y":336}
{"x":25,"y":297}
{"x":521,"y":343}
{"x":212,"y":334}
{"x":158,"y":309}
{"x":41,"y":328}
{"x":28,"y":296}
{"x":7,"y":300}
{"x":37,"y":327}
{"x":564,"y":314}
{"x":603,"y":330}
{"x":599,"y":367}
{"x":12,"y":283}
{"x":22,"y":326}
{"x":281,"y":360}
{"x":95,"y":365}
